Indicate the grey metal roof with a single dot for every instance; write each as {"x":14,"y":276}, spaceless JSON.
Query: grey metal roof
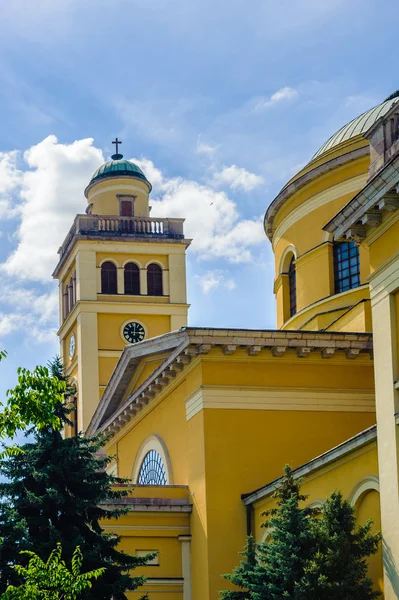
{"x":357,"y":126}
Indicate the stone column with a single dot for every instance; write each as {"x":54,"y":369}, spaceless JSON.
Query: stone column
{"x":387,"y":406}
{"x":186,"y":565}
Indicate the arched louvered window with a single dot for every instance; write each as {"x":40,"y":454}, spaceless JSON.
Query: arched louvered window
{"x":154,"y":280}
{"x":292,"y":286}
{"x":346,"y":266}
{"x":132,"y":279}
{"x":152,"y":470}
{"x":109,"y":283}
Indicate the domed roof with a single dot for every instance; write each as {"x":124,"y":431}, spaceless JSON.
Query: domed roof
{"x":118,"y":168}
{"x":358,"y":125}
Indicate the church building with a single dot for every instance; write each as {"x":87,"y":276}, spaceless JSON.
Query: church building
{"x":202,"y":421}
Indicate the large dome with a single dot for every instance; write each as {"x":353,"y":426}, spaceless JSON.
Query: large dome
{"x":118,"y":168}
{"x":357,"y":126}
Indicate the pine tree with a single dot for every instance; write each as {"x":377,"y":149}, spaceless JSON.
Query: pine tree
{"x":272,"y":570}
{"x":291,"y":543}
{"x":246,"y":575}
{"x":57,"y":491}
{"x":339,"y":568}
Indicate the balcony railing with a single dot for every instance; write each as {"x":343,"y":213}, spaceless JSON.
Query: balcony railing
{"x":112,"y":226}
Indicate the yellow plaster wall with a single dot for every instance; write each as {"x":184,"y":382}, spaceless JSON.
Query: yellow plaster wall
{"x":336,"y":302}
{"x":252,"y":451}
{"x":103,"y":195}
{"x":314,"y":256}
{"x":140,"y":259}
{"x":384,"y":247}
{"x":109,"y":328}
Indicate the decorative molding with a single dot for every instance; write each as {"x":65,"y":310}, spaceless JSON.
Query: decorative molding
{"x":339,"y":453}
{"x":186,"y":344}
{"x":275,"y":398}
{"x":363,"y":486}
{"x":153,"y":442}
{"x":337,"y":191}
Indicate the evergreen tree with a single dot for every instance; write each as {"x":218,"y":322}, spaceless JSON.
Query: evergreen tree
{"x":339,"y":568}
{"x":272,"y":571}
{"x":291,"y":544}
{"x":57,"y":491}
{"x":245,"y":575}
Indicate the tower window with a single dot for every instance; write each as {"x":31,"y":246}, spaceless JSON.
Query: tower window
{"x":109,"y":283}
{"x":346,"y":266}
{"x":126,"y":208}
{"x":152,"y":470}
{"x":154,"y":280}
{"x":292,"y":286}
{"x":132,"y":279}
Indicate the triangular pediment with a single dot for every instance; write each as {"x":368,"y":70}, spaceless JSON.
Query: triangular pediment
{"x":137,"y":364}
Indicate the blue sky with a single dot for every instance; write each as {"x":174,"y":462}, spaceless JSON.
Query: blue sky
{"x":221,"y":102}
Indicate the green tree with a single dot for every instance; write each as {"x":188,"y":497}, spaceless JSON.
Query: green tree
{"x":245,"y":575}
{"x":57,"y":491}
{"x":339,"y":567}
{"x":51,"y":580}
{"x":273,"y":570}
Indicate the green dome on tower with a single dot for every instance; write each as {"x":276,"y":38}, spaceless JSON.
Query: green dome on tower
{"x":118,"y":168}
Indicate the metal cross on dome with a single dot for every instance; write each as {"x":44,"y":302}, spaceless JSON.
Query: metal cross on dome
{"x":116,"y":156}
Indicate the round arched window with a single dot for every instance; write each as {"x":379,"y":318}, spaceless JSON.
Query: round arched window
{"x":152,"y":470}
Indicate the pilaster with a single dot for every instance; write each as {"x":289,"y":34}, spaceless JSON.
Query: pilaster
{"x":186,"y":565}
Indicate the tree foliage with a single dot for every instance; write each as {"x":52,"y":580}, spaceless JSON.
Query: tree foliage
{"x":51,"y":580}
{"x":338,"y":568}
{"x":306,"y":558}
{"x":57,"y":490}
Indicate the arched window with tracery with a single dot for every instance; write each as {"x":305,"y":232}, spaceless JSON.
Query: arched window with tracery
{"x":152,"y":470}
{"x":154,"y":280}
{"x":132,"y":279}
{"x":109,"y":284}
{"x":292,"y":286}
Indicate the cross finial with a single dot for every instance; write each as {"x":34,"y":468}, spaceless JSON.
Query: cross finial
{"x":116,"y":156}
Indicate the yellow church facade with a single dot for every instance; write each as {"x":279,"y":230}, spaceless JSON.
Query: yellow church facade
{"x":202,"y":421}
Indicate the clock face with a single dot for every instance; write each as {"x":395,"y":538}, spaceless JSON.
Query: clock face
{"x":133,"y":332}
{"x":71,"y":345}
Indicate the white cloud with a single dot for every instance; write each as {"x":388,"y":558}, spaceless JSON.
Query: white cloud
{"x":237,"y":177}
{"x":212,"y":219}
{"x":51,"y":195}
{"x":283,"y":95}
{"x":211,"y":280}
{"x":204,"y":148}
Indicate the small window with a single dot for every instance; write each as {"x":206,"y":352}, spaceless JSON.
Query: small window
{"x":292,"y":286}
{"x":154,"y":280}
{"x":152,"y":470}
{"x":126,"y":208}
{"x":66,"y":301}
{"x":109,"y":283}
{"x":154,"y":562}
{"x":346,"y":266}
{"x":132,"y":279}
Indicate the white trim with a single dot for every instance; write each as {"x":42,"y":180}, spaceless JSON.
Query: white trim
{"x":352,"y":185}
{"x":363,"y":486}
{"x":275,"y":398}
{"x":290,"y":249}
{"x":153,"y":442}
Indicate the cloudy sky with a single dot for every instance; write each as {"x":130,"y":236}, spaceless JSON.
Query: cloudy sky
{"x":219,"y":101}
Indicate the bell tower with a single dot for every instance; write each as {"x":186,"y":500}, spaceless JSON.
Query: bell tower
{"x":122,"y":279}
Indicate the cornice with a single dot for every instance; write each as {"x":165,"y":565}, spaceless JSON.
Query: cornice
{"x":305,"y":179}
{"x":192,"y":343}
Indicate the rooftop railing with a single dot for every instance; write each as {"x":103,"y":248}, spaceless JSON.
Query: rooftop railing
{"x":115,"y":226}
